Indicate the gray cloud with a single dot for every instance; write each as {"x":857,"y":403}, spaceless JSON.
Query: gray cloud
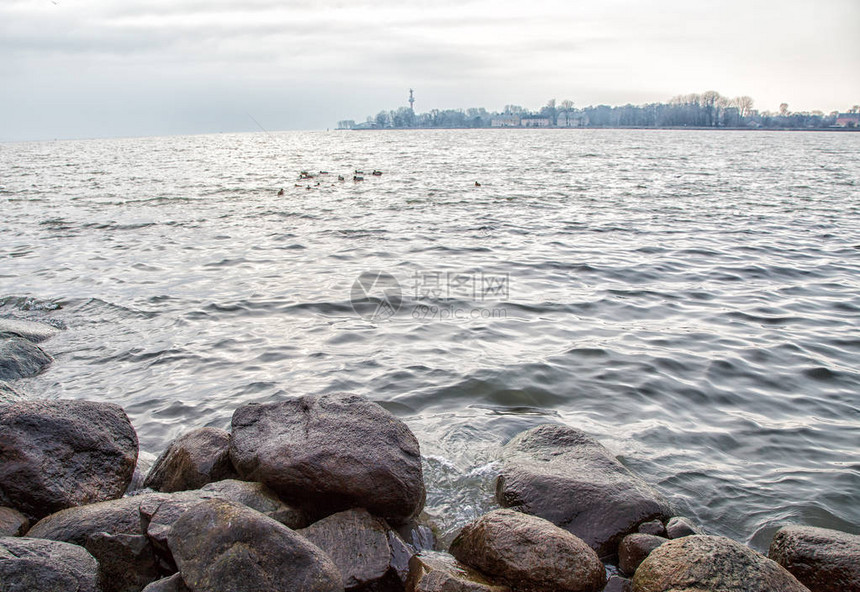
{"x":159,"y":59}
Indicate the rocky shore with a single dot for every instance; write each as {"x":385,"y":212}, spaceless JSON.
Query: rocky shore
{"x":325,"y":493}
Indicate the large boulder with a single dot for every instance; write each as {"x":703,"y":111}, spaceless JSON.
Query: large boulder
{"x":358,"y":544}
{"x":60,"y":454}
{"x":29,"y":330}
{"x":76,"y":525}
{"x":823,"y":560}
{"x":563,"y":475}
{"x":634,"y":548}
{"x":113,"y":533}
{"x":127,"y":562}
{"x":716,"y":564}
{"x":34,"y":565}
{"x":220,"y":545}
{"x":330,"y":453}
{"x":13,"y":522}
{"x":528,"y":553}
{"x":20,"y":358}
{"x":159,"y":512}
{"x":260,"y":497}
{"x":191,"y":461}
{"x":430,"y":571}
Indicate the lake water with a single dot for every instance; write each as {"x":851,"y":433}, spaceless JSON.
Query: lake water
{"x":690,"y":298}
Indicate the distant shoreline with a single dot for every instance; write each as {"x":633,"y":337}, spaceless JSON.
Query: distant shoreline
{"x":607,"y":127}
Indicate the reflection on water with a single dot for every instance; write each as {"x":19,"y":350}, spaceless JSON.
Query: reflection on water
{"x":690,"y":298}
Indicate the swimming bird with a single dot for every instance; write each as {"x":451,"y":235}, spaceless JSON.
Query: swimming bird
{"x":477,"y":184}
{"x":280,"y":191}
{"x":357,"y":178}
{"x":376,"y":173}
{"x":340,"y":178}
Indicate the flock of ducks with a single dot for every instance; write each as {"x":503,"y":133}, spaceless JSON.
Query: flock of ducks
{"x":357,"y":177}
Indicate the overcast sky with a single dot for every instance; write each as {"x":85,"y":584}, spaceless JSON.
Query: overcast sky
{"x":91,"y":68}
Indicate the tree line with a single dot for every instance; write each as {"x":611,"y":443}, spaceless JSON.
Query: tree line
{"x":705,"y":110}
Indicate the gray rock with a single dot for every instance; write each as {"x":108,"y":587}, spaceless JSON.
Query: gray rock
{"x":76,"y":525}
{"x":634,"y":548}
{"x":616,"y":583}
{"x":330,"y":453}
{"x":220,"y":545}
{"x":561,"y":474}
{"x":127,"y":562}
{"x":8,"y":393}
{"x":401,"y":554}
{"x":34,"y":565}
{"x":20,"y":358}
{"x":430,"y":571}
{"x":174,"y":583}
{"x":29,"y":330}
{"x":357,"y":543}
{"x":678,"y":527}
{"x":824,"y":560}
{"x":259,"y":497}
{"x":697,"y":563}
{"x":654,"y":527}
{"x":528,"y":553}
{"x":13,"y":522}
{"x":191,"y":461}
{"x":160,"y":512}
{"x":60,"y":454}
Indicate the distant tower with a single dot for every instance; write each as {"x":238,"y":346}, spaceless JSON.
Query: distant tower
{"x":411,"y":101}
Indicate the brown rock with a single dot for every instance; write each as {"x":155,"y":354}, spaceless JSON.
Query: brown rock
{"x":160,"y":511}
{"x":127,"y":562}
{"x":35,"y":565}
{"x":13,"y":522}
{"x":430,"y":571}
{"x":60,"y":454}
{"x":563,"y":475}
{"x":700,"y":563}
{"x":616,"y":583}
{"x":76,"y":525}
{"x":824,"y":560}
{"x":191,"y":461}
{"x":654,"y":527}
{"x":259,"y":497}
{"x":678,"y":527}
{"x":634,"y":548}
{"x":357,"y":543}
{"x":174,"y":583}
{"x":220,"y":545}
{"x":330,"y":453}
{"x":528,"y":553}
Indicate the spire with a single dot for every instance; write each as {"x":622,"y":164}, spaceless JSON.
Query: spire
{"x":411,"y":101}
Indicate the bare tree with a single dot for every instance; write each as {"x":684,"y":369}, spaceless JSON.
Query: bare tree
{"x":744,"y":105}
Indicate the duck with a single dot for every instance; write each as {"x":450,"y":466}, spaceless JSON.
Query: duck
{"x":357,"y":178}
{"x":280,"y":191}
{"x":376,"y":173}
{"x":341,"y":178}
{"x":477,"y":184}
